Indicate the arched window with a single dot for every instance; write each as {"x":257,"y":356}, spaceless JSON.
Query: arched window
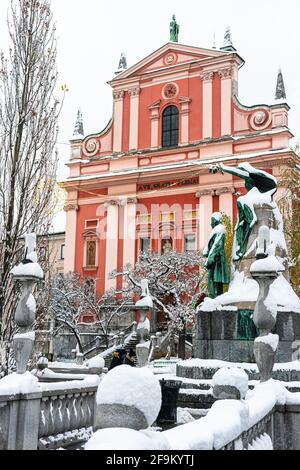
{"x":170,"y":127}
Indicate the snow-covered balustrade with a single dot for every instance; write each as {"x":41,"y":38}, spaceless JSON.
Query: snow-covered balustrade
{"x":36,"y":415}
{"x":66,"y":417}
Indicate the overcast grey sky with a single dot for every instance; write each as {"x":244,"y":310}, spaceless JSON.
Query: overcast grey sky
{"x":93,"y":33}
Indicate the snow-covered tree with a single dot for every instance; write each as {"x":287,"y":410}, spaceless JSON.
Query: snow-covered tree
{"x":67,"y":299}
{"x":177,"y":283}
{"x":290,"y":207}
{"x":28,"y":134}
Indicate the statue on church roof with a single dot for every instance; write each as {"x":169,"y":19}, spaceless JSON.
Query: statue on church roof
{"x":228,"y":45}
{"x":122,"y":63}
{"x":174,"y":30}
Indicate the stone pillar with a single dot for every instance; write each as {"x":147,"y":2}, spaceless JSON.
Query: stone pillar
{"x":226,"y":92}
{"x":207,"y":78}
{"x":111,"y":252}
{"x":24,"y":419}
{"x":154,"y":116}
{"x":129,"y":232}
{"x":134,"y":94}
{"x":118,"y":120}
{"x":226,"y":201}
{"x":205,"y":212}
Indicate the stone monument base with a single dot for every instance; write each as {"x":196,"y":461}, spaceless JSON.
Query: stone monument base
{"x":229,"y":334}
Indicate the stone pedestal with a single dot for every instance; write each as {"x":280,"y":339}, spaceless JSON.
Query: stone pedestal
{"x":228,"y":335}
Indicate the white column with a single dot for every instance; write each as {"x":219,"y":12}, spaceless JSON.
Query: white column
{"x":70,"y":243}
{"x":111,"y":254}
{"x":226,"y":92}
{"x":134,"y":94}
{"x":205,"y":212}
{"x":129,"y":232}
{"x":207,"y":78}
{"x":118,"y":120}
{"x":226,"y":201}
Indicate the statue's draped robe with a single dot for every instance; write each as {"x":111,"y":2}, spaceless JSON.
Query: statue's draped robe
{"x":216,"y":260}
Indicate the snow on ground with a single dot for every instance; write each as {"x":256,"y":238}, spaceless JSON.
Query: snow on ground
{"x":132,"y":386}
{"x":184,"y":416}
{"x":215,"y":363}
{"x":127,"y":439}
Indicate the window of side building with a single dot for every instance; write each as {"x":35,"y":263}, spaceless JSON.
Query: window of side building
{"x":190,"y":242}
{"x":145,"y":244}
{"x":62,"y":252}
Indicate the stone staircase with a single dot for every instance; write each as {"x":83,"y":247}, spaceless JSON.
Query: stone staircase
{"x":130,"y":342}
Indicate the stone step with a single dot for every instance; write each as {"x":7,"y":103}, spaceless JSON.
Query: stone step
{"x":205,"y":369}
{"x":193,"y":398}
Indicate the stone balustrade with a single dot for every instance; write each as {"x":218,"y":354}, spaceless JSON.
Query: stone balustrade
{"x":246,"y":439}
{"x":48,"y":419}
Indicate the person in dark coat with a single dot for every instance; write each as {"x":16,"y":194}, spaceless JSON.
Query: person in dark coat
{"x":129,"y":358}
{"x":118,"y":358}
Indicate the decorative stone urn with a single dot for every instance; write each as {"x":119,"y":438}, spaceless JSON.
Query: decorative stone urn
{"x":27,"y":273}
{"x":145,"y":308}
{"x":265,"y":270}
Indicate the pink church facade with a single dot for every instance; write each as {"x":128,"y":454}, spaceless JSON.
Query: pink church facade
{"x":144,"y":181}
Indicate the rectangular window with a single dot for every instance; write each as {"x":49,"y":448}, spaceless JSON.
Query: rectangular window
{"x":190,"y":215}
{"x":91,"y":253}
{"x":167,"y":217}
{"x":62,"y":252}
{"x":144,"y":219}
{"x":91,"y":223}
{"x":145,"y":244}
{"x":190,"y":242}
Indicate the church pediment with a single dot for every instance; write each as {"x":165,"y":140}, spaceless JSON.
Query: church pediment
{"x":170,"y":55}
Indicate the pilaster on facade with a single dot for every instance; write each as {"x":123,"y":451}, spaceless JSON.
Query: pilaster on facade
{"x":71,"y":210}
{"x":134,"y":94}
{"x":226,"y":200}
{"x":226,"y":75}
{"x":129,"y":230}
{"x":185,"y":111}
{"x":207,"y":80}
{"x":112,"y":232}
{"x":154,"y":117}
{"x":205,"y":212}
{"x":118,"y":119}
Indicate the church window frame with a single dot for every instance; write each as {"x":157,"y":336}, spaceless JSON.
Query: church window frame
{"x":170,"y":126}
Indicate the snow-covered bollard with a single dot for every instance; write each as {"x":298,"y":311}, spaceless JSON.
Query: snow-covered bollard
{"x":265,"y":270}
{"x":28,"y":273}
{"x":230,"y":383}
{"x":128,"y":397}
